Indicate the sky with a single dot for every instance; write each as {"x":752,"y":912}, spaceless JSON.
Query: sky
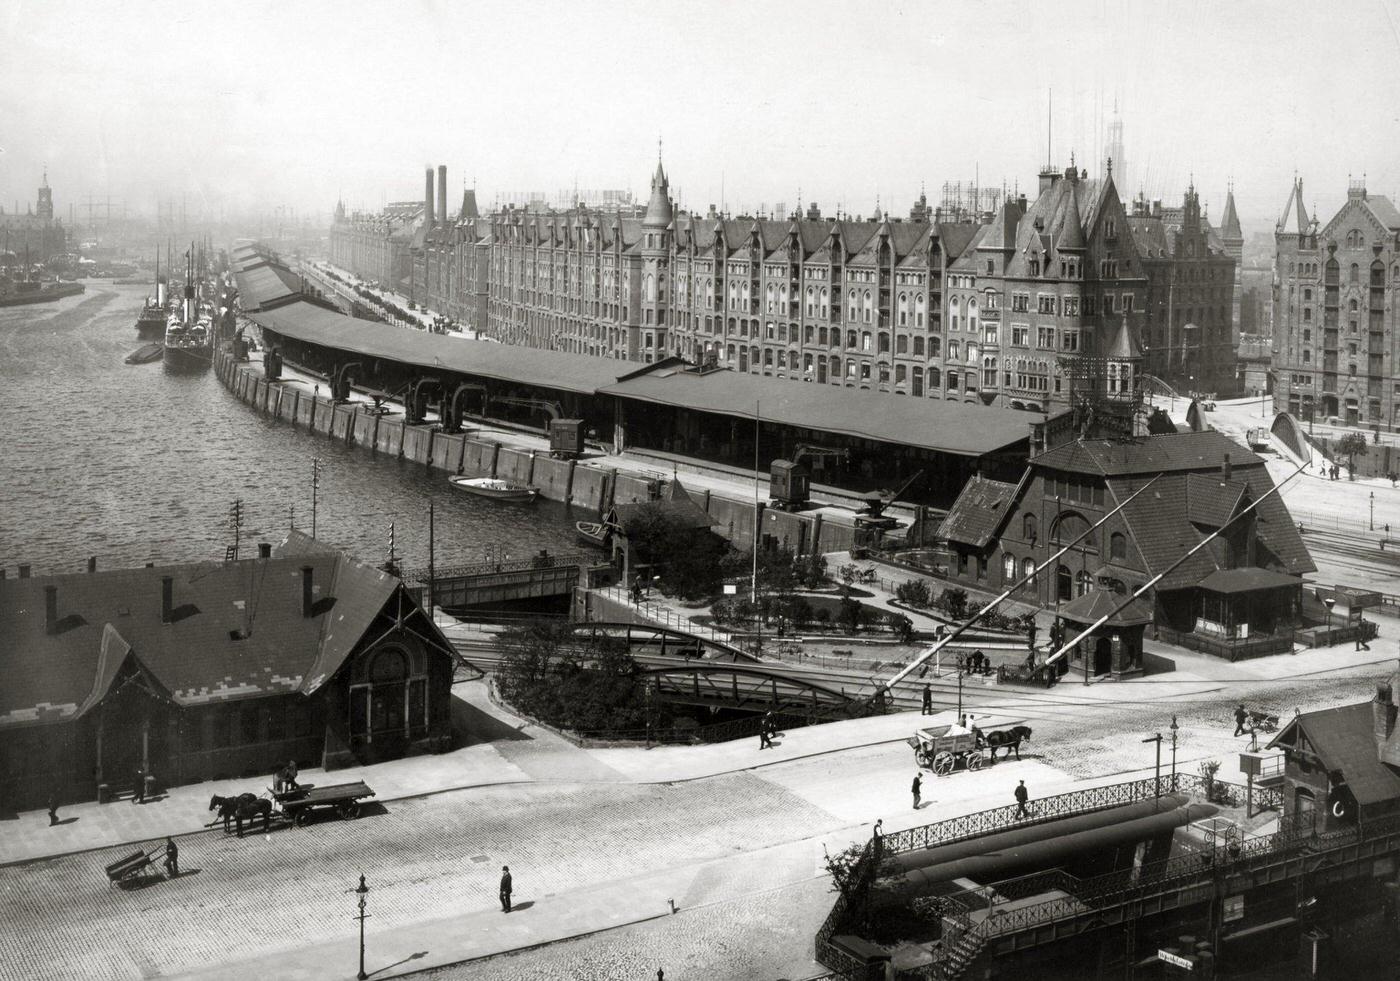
{"x":256,"y":106}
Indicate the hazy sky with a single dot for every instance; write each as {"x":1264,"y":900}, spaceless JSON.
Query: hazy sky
{"x":287,"y":104}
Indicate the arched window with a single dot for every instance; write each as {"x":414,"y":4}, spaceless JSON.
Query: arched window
{"x":826,"y":303}
{"x":389,"y":694}
{"x":971,"y":353}
{"x":1030,"y":527}
{"x":1068,"y":527}
{"x":868,"y":306}
{"x":935,"y":379}
{"x":972,"y":315}
{"x":935,"y":347}
{"x":1083,"y":582}
{"x":954,"y":317}
{"x":903,"y":309}
{"x":952,"y":381}
{"x":768,"y":298}
{"x":919,"y":307}
{"x":952,"y":350}
{"x":1117,"y":545}
{"x":1354,"y":275}
{"x":1008,"y":569}
{"x":811,"y":307}
{"x":1028,"y":569}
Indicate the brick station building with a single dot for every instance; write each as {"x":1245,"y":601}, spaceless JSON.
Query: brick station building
{"x":213,"y":670}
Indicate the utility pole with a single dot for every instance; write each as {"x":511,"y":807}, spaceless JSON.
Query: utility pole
{"x":1157,"y":779}
{"x":315,"y":489}
{"x":432,"y":568}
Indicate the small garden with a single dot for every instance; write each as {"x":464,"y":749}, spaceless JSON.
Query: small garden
{"x":952,"y":603}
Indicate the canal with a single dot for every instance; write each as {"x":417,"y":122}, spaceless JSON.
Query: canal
{"x":132,"y":465}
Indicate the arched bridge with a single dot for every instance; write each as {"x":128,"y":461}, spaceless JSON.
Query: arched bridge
{"x":753,"y":688}
{"x":648,"y":638}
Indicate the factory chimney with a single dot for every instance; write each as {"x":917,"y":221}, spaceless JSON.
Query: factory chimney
{"x":428,"y":197}
{"x":442,"y":194}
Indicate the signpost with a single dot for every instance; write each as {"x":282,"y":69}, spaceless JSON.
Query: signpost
{"x":1173,"y":959}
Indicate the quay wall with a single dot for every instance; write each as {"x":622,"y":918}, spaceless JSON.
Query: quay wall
{"x":590,"y":487}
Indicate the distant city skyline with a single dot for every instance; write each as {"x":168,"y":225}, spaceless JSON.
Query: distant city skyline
{"x":297,"y":106}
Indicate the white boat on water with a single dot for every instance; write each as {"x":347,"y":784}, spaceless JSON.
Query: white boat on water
{"x":496,"y":488}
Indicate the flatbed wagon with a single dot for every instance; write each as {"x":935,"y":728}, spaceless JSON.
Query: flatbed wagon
{"x":298,"y":806}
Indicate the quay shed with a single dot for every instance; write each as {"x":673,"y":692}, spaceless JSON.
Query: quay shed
{"x":668,"y":407}
{"x":213,"y":670}
{"x":1239,"y":596}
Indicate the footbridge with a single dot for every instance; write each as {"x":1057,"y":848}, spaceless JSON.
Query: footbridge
{"x":754,"y":688}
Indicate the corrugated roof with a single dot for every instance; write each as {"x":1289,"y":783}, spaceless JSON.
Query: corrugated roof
{"x":977,"y":513}
{"x":484,"y":359}
{"x":237,"y":630}
{"x":948,"y":427}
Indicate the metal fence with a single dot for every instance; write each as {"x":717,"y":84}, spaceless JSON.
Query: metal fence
{"x":546,"y":560}
{"x":667,"y":617}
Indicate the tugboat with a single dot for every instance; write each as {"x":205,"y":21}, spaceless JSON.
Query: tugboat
{"x":151,"y":321}
{"x":189,"y":337}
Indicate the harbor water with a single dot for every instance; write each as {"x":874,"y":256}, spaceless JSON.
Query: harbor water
{"x":132,"y":464}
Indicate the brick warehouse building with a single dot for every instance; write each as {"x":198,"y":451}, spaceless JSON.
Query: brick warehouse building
{"x":979,"y":312}
{"x":1238,"y":597}
{"x":207,"y":671}
{"x":1336,"y":290}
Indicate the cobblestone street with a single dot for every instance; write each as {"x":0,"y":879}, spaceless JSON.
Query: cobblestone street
{"x":424,"y":859}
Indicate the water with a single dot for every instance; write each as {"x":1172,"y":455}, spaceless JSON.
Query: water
{"x":134,"y":465}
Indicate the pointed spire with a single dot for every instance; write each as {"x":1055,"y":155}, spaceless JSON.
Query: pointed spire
{"x":1294,"y":220}
{"x":659,"y":212}
{"x":1230,"y":225}
{"x":1071,"y":235}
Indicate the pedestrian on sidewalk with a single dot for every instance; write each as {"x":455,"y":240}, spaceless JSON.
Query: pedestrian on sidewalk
{"x":172,"y":858}
{"x":1022,"y":795}
{"x":1241,"y":716}
{"x":1361,"y":644}
{"x":916,"y":788}
{"x":505,"y":888}
{"x":928,"y":701}
{"x":53,"y":808}
{"x":138,"y":795}
{"x":765,"y":735}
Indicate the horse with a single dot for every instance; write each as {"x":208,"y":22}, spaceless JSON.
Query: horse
{"x":252,"y":810}
{"x":228,"y":806}
{"x":1008,"y":739}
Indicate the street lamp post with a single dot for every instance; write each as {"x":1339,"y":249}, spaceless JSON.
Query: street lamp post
{"x":1174,"y":731}
{"x":1157,"y":779}
{"x":1373,"y":510}
{"x":1329,"y":602}
{"x":362,"y":891}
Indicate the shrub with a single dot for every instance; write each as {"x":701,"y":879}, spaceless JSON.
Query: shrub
{"x":915,"y":592}
{"x":953,"y":601}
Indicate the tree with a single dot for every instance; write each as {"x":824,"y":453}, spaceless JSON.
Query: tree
{"x":1351,"y":446}
{"x":688,"y":559}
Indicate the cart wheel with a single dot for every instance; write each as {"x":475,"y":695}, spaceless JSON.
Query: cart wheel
{"x":302,"y":817}
{"x":974,"y":762}
{"x":943,"y":764}
{"x":349,"y":810}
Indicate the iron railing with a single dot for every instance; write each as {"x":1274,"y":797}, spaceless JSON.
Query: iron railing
{"x":540,"y":561}
{"x":668,"y":617}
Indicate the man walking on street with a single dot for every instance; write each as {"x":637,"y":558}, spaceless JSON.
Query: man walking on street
{"x":505,"y":888}
{"x":53,"y":808}
{"x":766,"y":728}
{"x":1361,"y":644}
{"x":1240,"y":716}
{"x":928,"y":701}
{"x":918,"y":785}
{"x":1022,"y":795}
{"x":138,"y":795}
{"x":172,"y":858}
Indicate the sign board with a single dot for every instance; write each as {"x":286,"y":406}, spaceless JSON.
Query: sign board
{"x":731,"y":589}
{"x":1233,"y":908}
{"x":1182,"y":962}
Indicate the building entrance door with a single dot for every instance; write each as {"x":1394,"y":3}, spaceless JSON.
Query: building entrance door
{"x":1103,"y":656}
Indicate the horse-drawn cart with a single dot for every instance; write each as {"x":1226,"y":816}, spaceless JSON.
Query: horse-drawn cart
{"x":943,"y":748}
{"x":344,"y":798}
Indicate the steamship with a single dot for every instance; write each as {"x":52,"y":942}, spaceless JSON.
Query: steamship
{"x":189,"y":333}
{"x":151,"y":322}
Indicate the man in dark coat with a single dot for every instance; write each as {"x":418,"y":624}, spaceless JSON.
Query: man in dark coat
{"x":1240,"y":716}
{"x":53,"y":809}
{"x":505,"y":888}
{"x":289,"y":776}
{"x":928,"y":701}
{"x":916,"y":788}
{"x":1022,"y":795}
{"x":172,"y":858}
{"x":765,"y":731}
{"x":138,"y":795}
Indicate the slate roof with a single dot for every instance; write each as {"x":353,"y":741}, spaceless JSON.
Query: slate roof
{"x":1344,"y":739}
{"x":1230,"y":224}
{"x":976,"y":515}
{"x":1384,"y":210}
{"x":108,"y":618}
{"x":1211,"y":501}
{"x":1246,"y":580}
{"x":1088,"y":607}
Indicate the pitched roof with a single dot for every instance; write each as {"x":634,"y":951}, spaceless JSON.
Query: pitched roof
{"x":1295,"y":217}
{"x":1211,"y":501}
{"x":1088,"y":607}
{"x":1124,"y":346}
{"x":1344,"y":739}
{"x":977,"y":513}
{"x":237,"y":630}
{"x":1383,"y":210}
{"x":676,"y":504}
{"x":1230,"y":224}
{"x":1246,"y":580}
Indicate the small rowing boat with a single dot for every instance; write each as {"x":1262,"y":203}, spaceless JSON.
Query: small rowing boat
{"x":592,"y":533}
{"x":495,"y":488}
{"x":146,"y":353}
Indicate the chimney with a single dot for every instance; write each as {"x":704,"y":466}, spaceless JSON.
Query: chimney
{"x":1225,"y":468}
{"x":264,"y":550}
{"x":167,"y":598}
{"x":50,"y":610}
{"x":428,"y":197}
{"x":92,"y":563}
{"x":307,"y":600}
{"x":150,"y":565}
{"x":1382,"y":714}
{"x":442,"y":194}
{"x":24,"y":571}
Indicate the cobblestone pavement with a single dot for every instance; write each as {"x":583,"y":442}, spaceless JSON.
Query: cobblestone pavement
{"x":758,"y":938}
{"x":424,"y":858}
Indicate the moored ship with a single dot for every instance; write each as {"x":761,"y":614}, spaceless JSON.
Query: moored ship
{"x":189,"y":335}
{"x":151,"y":321}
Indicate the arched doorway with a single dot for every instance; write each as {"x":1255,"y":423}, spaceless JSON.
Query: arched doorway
{"x":388,"y":700}
{"x":1103,"y":655}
